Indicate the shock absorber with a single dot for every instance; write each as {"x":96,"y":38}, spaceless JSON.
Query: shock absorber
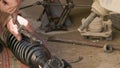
{"x":34,"y":54}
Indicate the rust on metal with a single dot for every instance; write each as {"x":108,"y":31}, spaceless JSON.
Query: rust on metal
{"x":83,"y":42}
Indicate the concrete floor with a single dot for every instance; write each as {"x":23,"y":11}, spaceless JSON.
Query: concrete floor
{"x":92,"y":57}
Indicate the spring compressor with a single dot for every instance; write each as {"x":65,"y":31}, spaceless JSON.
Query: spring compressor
{"x":54,"y":16}
{"x":34,"y":54}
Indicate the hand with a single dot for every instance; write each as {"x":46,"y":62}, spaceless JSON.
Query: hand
{"x":13,"y":28}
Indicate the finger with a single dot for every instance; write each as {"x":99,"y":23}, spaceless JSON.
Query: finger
{"x":22,"y":21}
{"x":17,"y":36}
{"x":28,"y":26}
{"x":14,"y":30}
{"x":25,"y":22}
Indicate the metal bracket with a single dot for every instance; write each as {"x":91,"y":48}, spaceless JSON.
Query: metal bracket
{"x":57,"y":15}
{"x":54,"y":16}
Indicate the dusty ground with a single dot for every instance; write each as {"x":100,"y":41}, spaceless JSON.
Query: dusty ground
{"x":92,"y":57}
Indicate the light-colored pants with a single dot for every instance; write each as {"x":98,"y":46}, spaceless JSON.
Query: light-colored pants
{"x":111,"y":5}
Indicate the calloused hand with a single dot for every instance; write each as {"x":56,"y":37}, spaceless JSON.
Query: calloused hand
{"x":13,"y":28}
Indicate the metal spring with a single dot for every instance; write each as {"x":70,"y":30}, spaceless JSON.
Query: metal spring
{"x":31,"y":54}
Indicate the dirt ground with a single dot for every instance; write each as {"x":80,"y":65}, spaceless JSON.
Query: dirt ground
{"x":92,"y":57}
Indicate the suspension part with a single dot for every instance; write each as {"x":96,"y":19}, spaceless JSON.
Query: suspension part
{"x":88,"y":20}
{"x":34,"y":54}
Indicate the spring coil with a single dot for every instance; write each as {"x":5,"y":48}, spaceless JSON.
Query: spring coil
{"x":31,"y":54}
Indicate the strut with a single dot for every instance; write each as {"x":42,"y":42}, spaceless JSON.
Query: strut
{"x":34,"y":54}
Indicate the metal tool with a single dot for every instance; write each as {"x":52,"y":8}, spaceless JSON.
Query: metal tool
{"x":65,"y":12}
{"x":97,"y":29}
{"x":57,"y":16}
{"x":108,"y":47}
{"x":21,"y":28}
{"x":35,"y":54}
{"x":54,"y":17}
{"x":88,"y":20}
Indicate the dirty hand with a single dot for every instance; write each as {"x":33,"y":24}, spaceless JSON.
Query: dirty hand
{"x":13,"y":28}
{"x":9,"y":6}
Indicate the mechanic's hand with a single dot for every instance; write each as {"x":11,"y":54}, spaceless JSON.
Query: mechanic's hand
{"x":9,"y":6}
{"x":13,"y":28}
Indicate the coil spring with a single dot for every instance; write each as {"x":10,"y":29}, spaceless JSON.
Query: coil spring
{"x":32,"y":54}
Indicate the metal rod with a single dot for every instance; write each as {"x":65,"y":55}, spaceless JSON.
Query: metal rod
{"x":26,"y":7}
{"x":88,"y":20}
{"x":83,"y":42}
{"x":65,"y":14}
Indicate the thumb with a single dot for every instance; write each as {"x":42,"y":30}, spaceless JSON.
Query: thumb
{"x":14,"y":30}
{"x":17,"y":36}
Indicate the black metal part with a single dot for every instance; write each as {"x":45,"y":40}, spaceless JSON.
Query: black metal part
{"x":107,"y":46}
{"x":57,"y":16}
{"x":65,"y":13}
{"x":33,"y":54}
{"x":53,"y":63}
{"x":19,"y":49}
{"x":54,"y":17}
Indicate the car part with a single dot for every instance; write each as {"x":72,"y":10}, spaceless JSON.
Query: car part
{"x":55,"y":15}
{"x":34,"y":54}
{"x":97,"y":28}
{"x":108,"y":47}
